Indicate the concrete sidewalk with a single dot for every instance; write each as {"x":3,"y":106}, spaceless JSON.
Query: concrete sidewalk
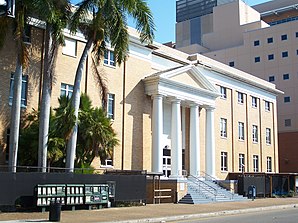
{"x":157,"y":212}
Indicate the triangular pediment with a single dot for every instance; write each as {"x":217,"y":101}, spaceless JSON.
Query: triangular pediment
{"x":188,"y":83}
{"x":188,"y":75}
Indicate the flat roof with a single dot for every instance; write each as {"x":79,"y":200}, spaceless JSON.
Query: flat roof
{"x":275,"y":5}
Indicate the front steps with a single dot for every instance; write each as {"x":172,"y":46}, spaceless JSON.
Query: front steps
{"x":202,"y":191}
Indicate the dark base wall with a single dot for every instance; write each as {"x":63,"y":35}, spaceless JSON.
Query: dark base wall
{"x":288,"y":152}
{"x":16,"y":185}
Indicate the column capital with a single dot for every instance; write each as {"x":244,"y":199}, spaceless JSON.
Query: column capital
{"x":157,"y":96}
{"x":175,"y":99}
{"x":210,"y":108}
{"x":194,"y":104}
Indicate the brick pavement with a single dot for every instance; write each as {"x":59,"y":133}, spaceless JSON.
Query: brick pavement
{"x":161,"y":212}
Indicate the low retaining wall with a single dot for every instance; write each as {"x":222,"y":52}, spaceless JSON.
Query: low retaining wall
{"x":14,"y":186}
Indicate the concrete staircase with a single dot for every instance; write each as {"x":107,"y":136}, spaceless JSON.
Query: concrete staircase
{"x":201,"y":191}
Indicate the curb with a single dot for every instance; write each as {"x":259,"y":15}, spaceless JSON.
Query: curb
{"x":204,"y":215}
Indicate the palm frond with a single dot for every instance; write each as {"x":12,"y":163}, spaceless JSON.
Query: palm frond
{"x":101,"y":81}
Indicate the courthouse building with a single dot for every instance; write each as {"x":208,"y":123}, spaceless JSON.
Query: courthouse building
{"x":261,"y":40}
{"x":173,"y":112}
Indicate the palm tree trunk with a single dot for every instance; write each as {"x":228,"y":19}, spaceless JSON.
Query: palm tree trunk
{"x":45,"y":105}
{"x":72,"y":142}
{"x":15,"y":117}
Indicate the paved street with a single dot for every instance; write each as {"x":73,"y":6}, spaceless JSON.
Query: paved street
{"x":271,"y":216}
{"x":161,"y":212}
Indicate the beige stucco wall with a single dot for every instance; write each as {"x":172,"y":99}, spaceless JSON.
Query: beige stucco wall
{"x":133,"y":110}
{"x":7,"y":67}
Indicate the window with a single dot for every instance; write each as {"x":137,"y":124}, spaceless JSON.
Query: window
{"x":223,"y":127}
{"x":288,"y":122}
{"x":271,"y":57}
{"x":284,"y":37}
{"x":284,"y":54}
{"x":241,"y":130}
{"x":241,"y":162}
{"x":287,"y":99}
{"x":66,"y":90}
{"x":109,"y":58}
{"x":271,"y":78}
{"x":267,"y":106}
{"x":296,"y":52}
{"x":70,"y":47}
{"x":296,"y":34}
{"x":223,"y":92}
{"x":23,"y":91}
{"x":268,"y":136}
{"x":286,"y":76}
{"x":256,"y":42}
{"x":254,"y":102}
{"x":255,"y":134}
{"x":240,"y":98}
{"x":270,"y":40}
{"x":107,"y":163}
{"x":269,"y":164}
{"x":255,"y":163}
{"x":257,"y":59}
{"x":224,"y":161}
{"x":111,"y":106}
{"x":7,"y":145}
{"x":232,"y":64}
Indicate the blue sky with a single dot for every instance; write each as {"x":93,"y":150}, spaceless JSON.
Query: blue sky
{"x":164,"y":12}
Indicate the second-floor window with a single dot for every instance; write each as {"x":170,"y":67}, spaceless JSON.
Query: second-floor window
{"x":241,"y":130}
{"x":268,"y":135}
{"x":111,"y":106}
{"x":255,"y":133}
{"x":23,"y":91}
{"x":109,"y":58}
{"x":223,"y":127}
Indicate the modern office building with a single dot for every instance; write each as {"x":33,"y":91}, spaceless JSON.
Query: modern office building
{"x":263,"y":41}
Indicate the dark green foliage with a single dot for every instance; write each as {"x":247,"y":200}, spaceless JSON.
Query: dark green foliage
{"x":96,"y":136}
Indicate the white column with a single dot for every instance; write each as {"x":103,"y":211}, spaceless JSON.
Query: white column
{"x":210,"y":142}
{"x":176,"y":149}
{"x":194,"y":140}
{"x":157,"y":131}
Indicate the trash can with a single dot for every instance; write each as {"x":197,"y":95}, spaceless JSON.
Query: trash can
{"x":55,"y":211}
{"x":252,"y":192}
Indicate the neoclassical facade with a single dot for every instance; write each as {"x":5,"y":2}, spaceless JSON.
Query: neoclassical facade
{"x":173,"y":112}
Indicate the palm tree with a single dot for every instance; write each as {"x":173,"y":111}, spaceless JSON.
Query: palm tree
{"x":22,"y":62}
{"x":101,"y":21}
{"x":96,"y":136}
{"x":55,"y":13}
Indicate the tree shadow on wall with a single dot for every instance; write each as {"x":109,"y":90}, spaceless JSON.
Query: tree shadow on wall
{"x":140,"y":106}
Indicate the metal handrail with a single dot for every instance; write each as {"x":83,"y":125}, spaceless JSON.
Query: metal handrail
{"x":204,"y":174}
{"x":209,"y":188}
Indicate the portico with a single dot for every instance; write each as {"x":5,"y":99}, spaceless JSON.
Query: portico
{"x":172,"y":91}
